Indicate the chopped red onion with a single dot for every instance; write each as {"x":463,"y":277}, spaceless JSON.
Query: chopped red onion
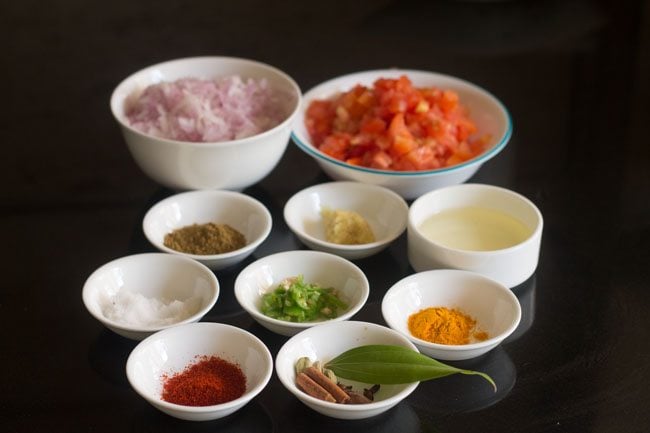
{"x":191,"y":109}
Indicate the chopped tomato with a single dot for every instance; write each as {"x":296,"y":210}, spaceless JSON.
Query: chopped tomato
{"x":373,"y":125}
{"x":401,"y":137}
{"x":319,"y":117}
{"x":357,"y":160}
{"x":336,"y":145}
{"x":449,"y":100}
{"x":395,"y":126}
{"x":379,"y":159}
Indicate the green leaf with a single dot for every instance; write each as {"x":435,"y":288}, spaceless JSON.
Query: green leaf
{"x":386,"y":364}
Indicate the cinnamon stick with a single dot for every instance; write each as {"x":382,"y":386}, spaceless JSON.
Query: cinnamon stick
{"x":312,"y":388}
{"x":325,"y":382}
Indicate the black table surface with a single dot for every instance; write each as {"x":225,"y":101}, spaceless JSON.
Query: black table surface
{"x":574,"y":74}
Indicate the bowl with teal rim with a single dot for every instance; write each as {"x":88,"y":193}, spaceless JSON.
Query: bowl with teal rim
{"x":486,"y":111}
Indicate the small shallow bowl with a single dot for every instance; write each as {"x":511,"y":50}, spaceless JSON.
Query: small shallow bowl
{"x":494,"y":307}
{"x":240,"y":211}
{"x":327,"y":341}
{"x":184,"y":165}
{"x":488,"y":113}
{"x":385,"y":211}
{"x":510,"y":266}
{"x":324,"y":269}
{"x":170,"y":351}
{"x":151,"y":275}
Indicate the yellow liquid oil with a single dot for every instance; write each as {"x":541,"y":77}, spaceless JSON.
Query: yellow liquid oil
{"x":475,"y":228}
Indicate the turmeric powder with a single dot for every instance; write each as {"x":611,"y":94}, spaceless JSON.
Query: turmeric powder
{"x":444,"y":326}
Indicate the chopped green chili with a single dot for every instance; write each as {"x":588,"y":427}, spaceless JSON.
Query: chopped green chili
{"x":296,"y":301}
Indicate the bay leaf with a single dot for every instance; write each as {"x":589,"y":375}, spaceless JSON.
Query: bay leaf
{"x":388,"y":364}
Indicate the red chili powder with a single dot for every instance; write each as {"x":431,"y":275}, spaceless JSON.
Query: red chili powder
{"x":209,"y":380}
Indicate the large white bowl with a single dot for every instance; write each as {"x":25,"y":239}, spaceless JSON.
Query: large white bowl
{"x":489,"y":114}
{"x":152,"y":275}
{"x":240,"y":211}
{"x":385,"y":211}
{"x":509,"y":266}
{"x":182,"y":165}
{"x":327,"y":341}
{"x":494,"y":307}
{"x":172,"y":350}
{"x":324,"y":269}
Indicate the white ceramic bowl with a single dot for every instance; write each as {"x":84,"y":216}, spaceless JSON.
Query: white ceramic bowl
{"x":494,"y":307}
{"x":510,"y":266}
{"x":385,"y":211}
{"x":172,"y":350}
{"x":131,"y":282}
{"x":488,"y":113}
{"x":327,"y":341}
{"x":324,"y":269}
{"x":182,"y":165}
{"x":242,"y":212}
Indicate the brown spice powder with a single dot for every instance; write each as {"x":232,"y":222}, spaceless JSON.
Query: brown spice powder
{"x":205,"y":239}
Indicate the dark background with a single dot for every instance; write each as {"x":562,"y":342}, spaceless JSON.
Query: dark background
{"x":575,"y":76}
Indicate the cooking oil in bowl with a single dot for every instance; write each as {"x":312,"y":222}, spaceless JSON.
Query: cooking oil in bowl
{"x":475,"y":228}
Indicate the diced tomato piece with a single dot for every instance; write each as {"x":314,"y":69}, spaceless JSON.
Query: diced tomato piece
{"x":373,"y":125}
{"x":416,"y":124}
{"x":422,"y":158}
{"x":320,"y":110}
{"x":357,"y":160}
{"x":351,"y":102}
{"x":360,"y":149}
{"x":402,"y":139}
{"x":319,"y":118}
{"x":464,"y":151}
{"x":397,"y":104}
{"x":465,"y":128}
{"x":449,"y":100}
{"x":480,"y":144}
{"x":335,"y":145}
{"x":380,"y":160}
{"x":367,"y":99}
{"x":398,"y":127}
{"x":403,"y":164}
{"x":383,"y":142}
{"x":454,"y":160}
{"x":402,"y":145}
{"x":403,"y":84}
